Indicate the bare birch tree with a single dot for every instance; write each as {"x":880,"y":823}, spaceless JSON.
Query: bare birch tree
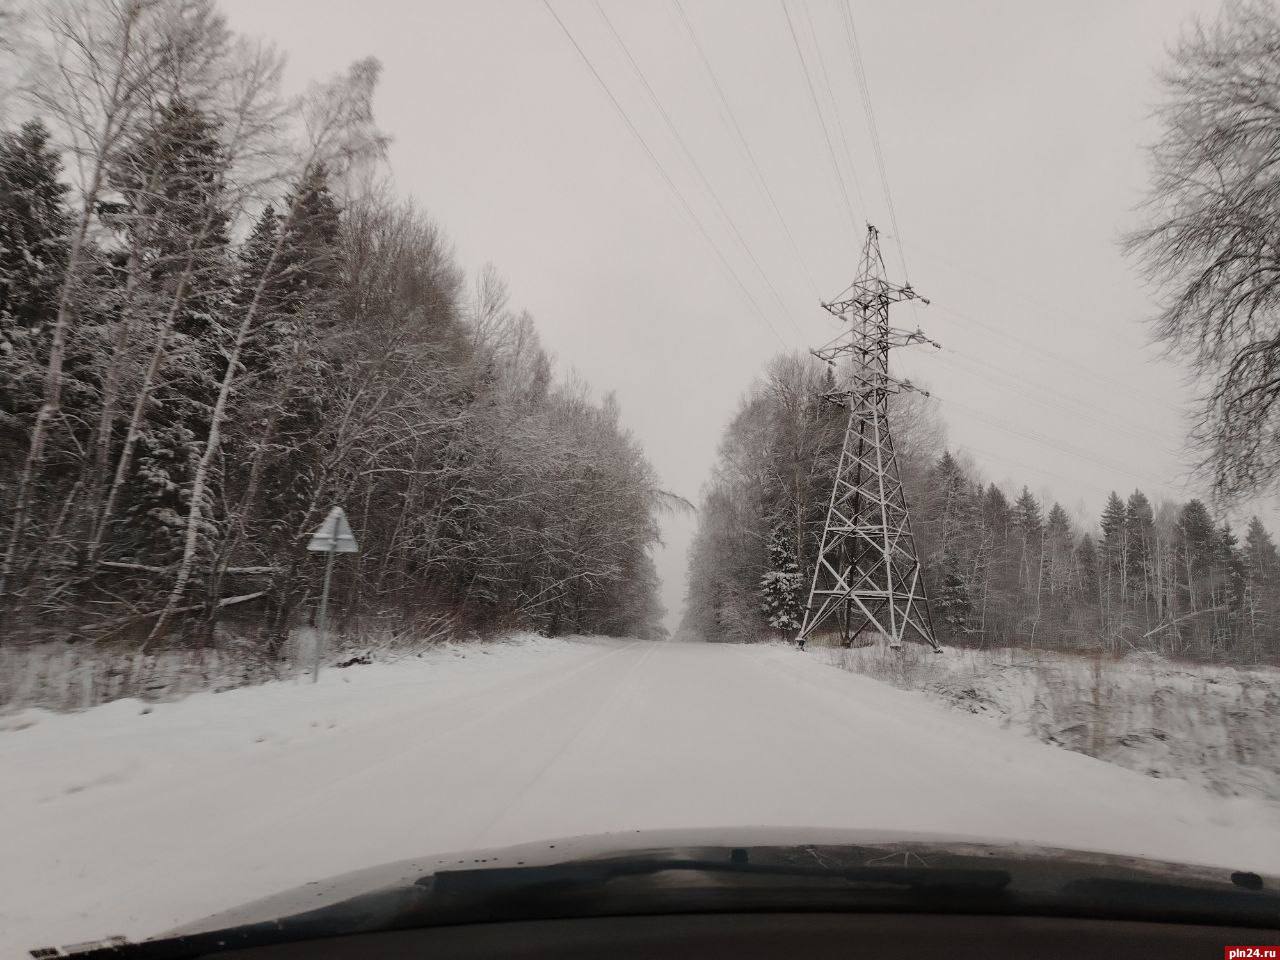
{"x":339,"y":132}
{"x":1210,"y":241}
{"x":101,"y":62}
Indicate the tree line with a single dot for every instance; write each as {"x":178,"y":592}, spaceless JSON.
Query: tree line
{"x":1000,"y":569}
{"x":215,"y":322}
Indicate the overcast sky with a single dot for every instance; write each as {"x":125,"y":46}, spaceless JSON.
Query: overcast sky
{"x":1011,"y":133}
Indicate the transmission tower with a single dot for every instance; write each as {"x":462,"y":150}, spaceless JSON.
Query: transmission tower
{"x":867,"y":576}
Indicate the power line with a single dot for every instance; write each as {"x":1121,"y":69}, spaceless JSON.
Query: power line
{"x":1005,"y":283}
{"x":1061,"y":359}
{"x":859,"y":68}
{"x":831,"y":150}
{"x":1021,"y":386}
{"x":1040,"y":438}
{"x":746,"y":146}
{"x":662,"y":170}
{"x":693,"y":162}
{"x":1010,"y":461}
{"x":835,"y":105}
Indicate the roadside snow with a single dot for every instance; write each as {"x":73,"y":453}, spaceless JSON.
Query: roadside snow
{"x":132,"y":818}
{"x":1218,"y":726}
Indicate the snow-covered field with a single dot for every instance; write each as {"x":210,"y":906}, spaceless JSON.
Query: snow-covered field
{"x":1218,"y":726}
{"x":129,"y":818}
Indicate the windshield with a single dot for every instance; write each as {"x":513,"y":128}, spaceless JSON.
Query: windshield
{"x":436,"y":427}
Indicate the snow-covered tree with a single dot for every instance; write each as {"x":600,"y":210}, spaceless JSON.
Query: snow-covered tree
{"x":781,"y":587}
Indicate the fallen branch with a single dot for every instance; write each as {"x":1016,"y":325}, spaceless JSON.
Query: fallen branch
{"x":149,"y":568}
{"x":1185,"y":616}
{"x":190,"y":608}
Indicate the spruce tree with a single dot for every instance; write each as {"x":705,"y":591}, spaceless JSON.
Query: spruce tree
{"x":1028,"y":526}
{"x":171,"y":180}
{"x":951,"y":595}
{"x":780,"y":587}
{"x":34,"y":229}
{"x":1059,"y":548}
{"x":1262,"y":560}
{"x":1232,"y":573}
{"x":1262,"y":584}
{"x":1196,"y":550}
{"x":1027,"y":519}
{"x":1114,"y":551}
{"x":1139,"y":540}
{"x":1087,"y":564}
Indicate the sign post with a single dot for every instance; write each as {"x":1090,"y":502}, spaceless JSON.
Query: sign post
{"x":334,"y":536}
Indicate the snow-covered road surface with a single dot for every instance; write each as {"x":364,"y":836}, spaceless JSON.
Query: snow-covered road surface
{"x":119,"y":821}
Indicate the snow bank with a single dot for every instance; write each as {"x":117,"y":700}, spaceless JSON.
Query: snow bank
{"x":131,"y":818}
{"x":1213,"y":725}
{"x":66,"y":676}
{"x":115,"y":816}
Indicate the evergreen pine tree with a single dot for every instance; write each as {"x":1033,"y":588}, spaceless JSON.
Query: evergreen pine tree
{"x":780,"y":586}
{"x":951,"y":596}
{"x":1196,"y":551}
{"x":1114,"y":554}
{"x":1261,"y":559}
{"x":1028,"y":526}
{"x":171,"y":180}
{"x":1059,"y":553}
{"x":1262,"y":585}
{"x":1087,"y":564}
{"x":34,"y":230}
{"x":1139,"y":539}
{"x":1232,"y":566}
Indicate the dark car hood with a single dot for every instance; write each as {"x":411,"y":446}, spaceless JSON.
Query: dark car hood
{"x":734,"y":870}
{"x":636,"y":843}
{"x":817,"y":847}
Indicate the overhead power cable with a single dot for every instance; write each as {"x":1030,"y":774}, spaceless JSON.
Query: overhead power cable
{"x":626,"y":118}
{"x":860,"y":71}
{"x":826,"y":134}
{"x":1052,"y":399}
{"x":835,"y":105}
{"x":1036,"y":437}
{"x":1012,"y":462}
{"x":1058,"y":358}
{"x":746,"y":146}
{"x":693,"y":162}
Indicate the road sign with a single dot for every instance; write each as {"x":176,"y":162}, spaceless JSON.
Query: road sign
{"x":334,"y":535}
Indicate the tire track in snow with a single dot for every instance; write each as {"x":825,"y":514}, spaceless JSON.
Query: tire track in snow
{"x":596,"y":723}
{"x":418,"y":744}
{"x":136,"y":872}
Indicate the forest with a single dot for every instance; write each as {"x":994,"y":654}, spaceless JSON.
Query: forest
{"x":1002,"y":567}
{"x":218,"y":319}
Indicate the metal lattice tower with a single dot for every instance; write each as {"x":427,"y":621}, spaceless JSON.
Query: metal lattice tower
{"x":867,"y":576}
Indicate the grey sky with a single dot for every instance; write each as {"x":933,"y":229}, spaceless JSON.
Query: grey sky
{"x":1011,"y":133}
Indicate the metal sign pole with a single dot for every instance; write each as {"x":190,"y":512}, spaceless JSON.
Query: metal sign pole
{"x":323,"y":636}
{"x":332,"y":537}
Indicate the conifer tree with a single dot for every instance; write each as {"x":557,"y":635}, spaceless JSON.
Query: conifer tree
{"x":34,"y":231}
{"x":172,"y":181}
{"x":1114,"y":553}
{"x":34,"y":228}
{"x":1139,"y":540}
{"x":780,"y":587}
{"x":1262,"y":586}
{"x":1197,"y":551}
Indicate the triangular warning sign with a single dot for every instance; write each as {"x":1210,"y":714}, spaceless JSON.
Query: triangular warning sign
{"x":334,"y":535}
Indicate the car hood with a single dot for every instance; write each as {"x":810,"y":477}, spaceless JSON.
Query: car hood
{"x":732,"y":870}
{"x":1037,"y":867}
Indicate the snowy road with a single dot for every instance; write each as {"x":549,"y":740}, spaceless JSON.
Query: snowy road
{"x":118,"y":821}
